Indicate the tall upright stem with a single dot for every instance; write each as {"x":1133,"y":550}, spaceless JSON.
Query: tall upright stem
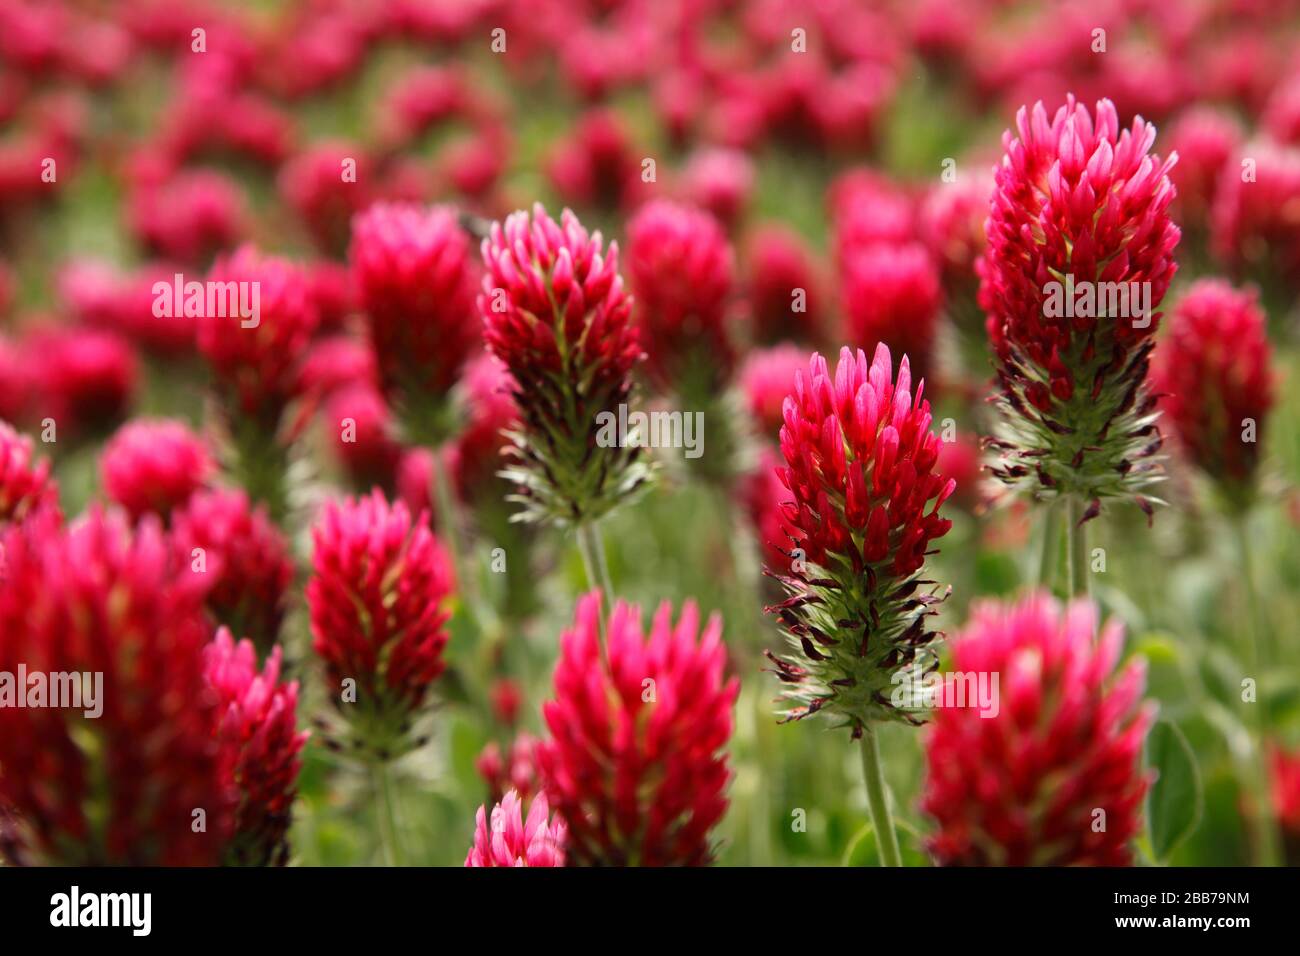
{"x":1050,"y":562}
{"x":384,"y":811}
{"x":1263,"y":822}
{"x":1077,"y":535}
{"x":881,"y":820}
{"x":592,"y":548}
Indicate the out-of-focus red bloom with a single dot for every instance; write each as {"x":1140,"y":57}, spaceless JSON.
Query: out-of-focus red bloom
{"x":240,"y":558}
{"x":721,"y":182}
{"x":120,"y":788}
{"x":862,"y":511}
{"x":472,"y":166}
{"x":415,"y":478}
{"x":85,"y":378}
{"x":1079,"y":207}
{"x":100,"y":297}
{"x":766,"y":378}
{"x":517,"y":770}
{"x":764,"y":495}
{"x":892,"y":295}
{"x":188,"y":217}
{"x":326,"y":185}
{"x":1021,"y":787}
{"x":154,"y":466}
{"x":950,"y":222}
{"x":506,"y":698}
{"x":960,"y":460}
{"x":555,"y":312}
{"x":682,"y":271}
{"x":1214,"y":370}
{"x":636,"y":763}
{"x":15,"y":382}
{"x":377,"y":597}
{"x":334,"y":363}
{"x":487,"y":396}
{"x":414,"y":275}
{"x":1281,"y":117}
{"x":361,"y":435}
{"x":783,"y":286}
{"x":867,"y":208}
{"x":421,"y":99}
{"x":511,"y":841}
{"x":257,"y":728}
{"x":1205,"y":139}
{"x":1255,"y":222}
{"x":1286,"y":790}
{"x":595,"y":164}
{"x":25,"y":485}
{"x":255,"y":361}
{"x":331,"y":290}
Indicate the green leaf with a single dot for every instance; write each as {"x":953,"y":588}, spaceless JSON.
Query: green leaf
{"x":1175,"y":801}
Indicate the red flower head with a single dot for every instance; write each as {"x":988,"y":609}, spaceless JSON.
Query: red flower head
{"x":892,"y":295}
{"x":189,"y":217}
{"x":415,"y":277}
{"x":361,"y":433}
{"x":85,"y":379}
{"x":636,"y":764}
{"x":764,"y":496}
{"x":866,"y":208}
{"x":517,"y":770}
{"x":257,"y":728}
{"x":99,"y":297}
{"x":1285,"y":767}
{"x":241,"y":559}
{"x":1215,"y":371}
{"x":554,"y":311}
{"x":682,"y":272}
{"x":1254,"y":225}
{"x":1080,"y":254}
{"x":326,"y":185}
{"x":154,"y":466}
{"x":514,"y":842}
{"x":506,"y":698}
{"x":120,"y":787}
{"x":487,"y":396}
{"x":595,"y":164}
{"x":862,"y":510}
{"x":1021,"y":786}
{"x":378,"y":601}
{"x":951,"y":224}
{"x":780,"y":267}
{"x":15,"y":380}
{"x":1206,"y":140}
{"x":766,"y":378}
{"x":255,"y":360}
{"x":720,"y":181}
{"x":335,"y":363}
{"x":1282,"y":112}
{"x":25,"y":485}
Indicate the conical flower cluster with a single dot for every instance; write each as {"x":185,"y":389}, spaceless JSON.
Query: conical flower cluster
{"x":1080,"y":254}
{"x":860,"y":470}
{"x":1021,"y":784}
{"x":25,"y":485}
{"x":505,"y":838}
{"x":1214,"y":373}
{"x":378,"y":604}
{"x":555,"y":312}
{"x":635,"y":764}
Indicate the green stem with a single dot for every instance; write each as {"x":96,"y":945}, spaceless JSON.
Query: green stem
{"x":592,"y":548}
{"x":877,"y":802}
{"x":1050,"y":561}
{"x":1264,"y":825}
{"x":384,"y":811}
{"x":1077,"y":535}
